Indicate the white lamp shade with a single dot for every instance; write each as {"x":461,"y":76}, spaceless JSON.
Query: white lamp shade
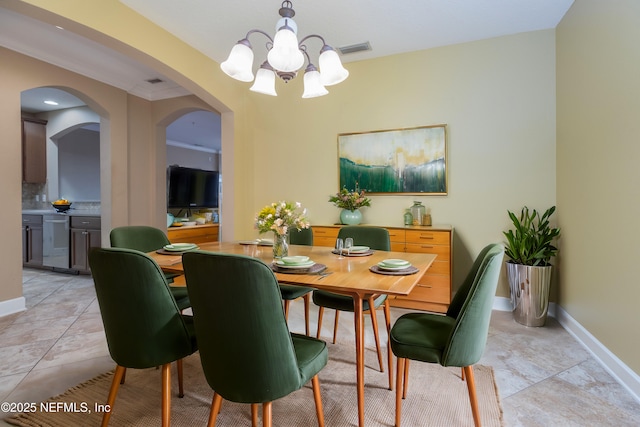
{"x":331,"y":70}
{"x":285,"y":54}
{"x":238,"y":64}
{"x":265,"y":82}
{"x":312,"y":85}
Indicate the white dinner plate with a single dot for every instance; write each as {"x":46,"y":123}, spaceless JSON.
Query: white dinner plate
{"x":383,"y":266}
{"x":177,"y":247}
{"x":395,"y":262}
{"x":282,"y":264}
{"x":248,"y":242}
{"x":265,"y":242}
{"x":295,"y":260}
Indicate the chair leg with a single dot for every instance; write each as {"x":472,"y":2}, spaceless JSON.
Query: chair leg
{"x":315,"y":383}
{"x":462,"y":374}
{"x":113,"y":391}
{"x":216,"y":402}
{"x":405,"y":381}
{"x":320,"y":314}
{"x":286,"y":309}
{"x":471,"y":386}
{"x":335,"y":326}
{"x":266,"y":414}
{"x":254,"y":414}
{"x":376,"y":336}
{"x":166,"y":395}
{"x":180,"y":376}
{"x":306,"y":298}
{"x":387,"y":319}
{"x":124,"y":374}
{"x":399,"y":387}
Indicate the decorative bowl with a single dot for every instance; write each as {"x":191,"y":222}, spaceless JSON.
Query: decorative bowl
{"x":63,"y":207}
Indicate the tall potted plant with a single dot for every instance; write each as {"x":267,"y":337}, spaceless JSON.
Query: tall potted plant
{"x":530,"y":247}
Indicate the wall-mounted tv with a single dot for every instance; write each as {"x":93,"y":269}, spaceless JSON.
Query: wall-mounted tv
{"x":192,"y":188}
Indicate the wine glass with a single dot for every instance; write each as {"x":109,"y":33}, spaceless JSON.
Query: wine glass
{"x":348,"y":244}
{"x":339,"y":247}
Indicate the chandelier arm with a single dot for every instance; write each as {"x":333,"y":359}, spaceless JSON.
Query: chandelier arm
{"x":258,"y":31}
{"x":310,"y":36}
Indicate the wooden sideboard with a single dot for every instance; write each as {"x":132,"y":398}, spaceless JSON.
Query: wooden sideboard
{"x":194,"y":233}
{"x":433,"y":292}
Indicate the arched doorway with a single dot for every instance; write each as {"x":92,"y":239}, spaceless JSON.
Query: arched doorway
{"x":194,"y":141}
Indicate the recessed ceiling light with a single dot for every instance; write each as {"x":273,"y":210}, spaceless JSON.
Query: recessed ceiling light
{"x":49,"y":102}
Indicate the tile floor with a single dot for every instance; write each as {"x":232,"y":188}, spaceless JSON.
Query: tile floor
{"x":545,"y":378}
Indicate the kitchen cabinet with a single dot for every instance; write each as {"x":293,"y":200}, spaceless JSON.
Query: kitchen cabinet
{"x":32,"y":240}
{"x":34,"y":150}
{"x":85,"y":234}
{"x":193,"y":233}
{"x":433,"y":291}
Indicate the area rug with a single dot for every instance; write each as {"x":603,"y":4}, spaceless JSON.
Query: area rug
{"x":436,"y":397}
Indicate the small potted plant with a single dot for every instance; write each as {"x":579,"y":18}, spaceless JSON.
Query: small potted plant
{"x":530,"y":247}
{"x":350,"y":202}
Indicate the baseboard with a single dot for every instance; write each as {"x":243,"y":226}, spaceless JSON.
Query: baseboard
{"x":12,"y":306}
{"x":616,"y":367}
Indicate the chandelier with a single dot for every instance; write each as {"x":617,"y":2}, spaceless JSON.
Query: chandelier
{"x":285,"y":57}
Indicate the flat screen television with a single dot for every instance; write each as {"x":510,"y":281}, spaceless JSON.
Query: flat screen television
{"x":192,"y":188}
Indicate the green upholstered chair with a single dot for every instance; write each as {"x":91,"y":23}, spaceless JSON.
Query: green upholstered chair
{"x":247,"y":352}
{"x":289,"y":292}
{"x":142,"y":322}
{"x":456,"y":339}
{"x":147,"y":239}
{"x":375,"y":238}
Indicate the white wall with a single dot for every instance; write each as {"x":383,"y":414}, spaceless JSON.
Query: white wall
{"x":59,"y":124}
{"x":192,"y":158}
{"x":79,"y":166}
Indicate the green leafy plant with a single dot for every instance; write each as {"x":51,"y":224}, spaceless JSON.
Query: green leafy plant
{"x":531,"y":240}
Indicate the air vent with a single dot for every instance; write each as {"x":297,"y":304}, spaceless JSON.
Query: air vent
{"x":155,"y":81}
{"x":355,"y":48}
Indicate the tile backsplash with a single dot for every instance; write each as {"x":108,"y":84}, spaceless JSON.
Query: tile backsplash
{"x":32,"y":191}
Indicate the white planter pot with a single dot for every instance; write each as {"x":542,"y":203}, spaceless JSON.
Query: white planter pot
{"x":529,"y":293}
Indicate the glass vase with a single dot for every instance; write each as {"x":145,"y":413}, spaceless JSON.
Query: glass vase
{"x":280,"y":245}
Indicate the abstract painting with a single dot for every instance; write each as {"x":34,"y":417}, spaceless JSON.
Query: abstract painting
{"x":395,"y":161}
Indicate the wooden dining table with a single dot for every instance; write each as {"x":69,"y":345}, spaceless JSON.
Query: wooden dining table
{"x":347,"y":275}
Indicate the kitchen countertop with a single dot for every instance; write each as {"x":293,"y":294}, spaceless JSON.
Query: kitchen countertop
{"x":70,"y":212}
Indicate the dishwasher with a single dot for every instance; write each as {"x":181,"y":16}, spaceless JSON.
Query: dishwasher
{"x":55,"y":241}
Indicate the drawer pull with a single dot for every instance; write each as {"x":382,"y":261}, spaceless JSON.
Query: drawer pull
{"x":430,"y":237}
{"x":427,"y":246}
{"x":424,"y":286}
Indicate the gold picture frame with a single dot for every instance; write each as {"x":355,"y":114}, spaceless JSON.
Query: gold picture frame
{"x":398,"y":161}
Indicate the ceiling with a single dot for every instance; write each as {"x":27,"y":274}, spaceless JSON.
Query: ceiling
{"x":213,"y":27}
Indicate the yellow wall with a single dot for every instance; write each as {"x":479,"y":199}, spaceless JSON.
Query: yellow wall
{"x":598,"y":151}
{"x":497,"y":98}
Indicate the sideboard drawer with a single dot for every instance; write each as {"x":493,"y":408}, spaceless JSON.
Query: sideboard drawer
{"x":325,"y":236}
{"x":194,"y":234}
{"x":443,"y":252}
{"x":440,"y":267}
{"x":396,"y":235}
{"x":428,"y":237}
{"x":434,"y":289}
